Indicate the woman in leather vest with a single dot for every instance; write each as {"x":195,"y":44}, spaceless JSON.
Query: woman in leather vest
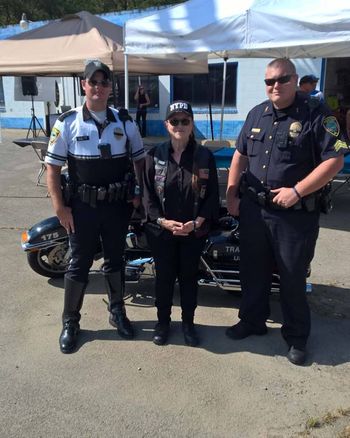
{"x":181,"y":201}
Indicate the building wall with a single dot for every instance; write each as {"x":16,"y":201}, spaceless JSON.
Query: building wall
{"x":250,"y":92}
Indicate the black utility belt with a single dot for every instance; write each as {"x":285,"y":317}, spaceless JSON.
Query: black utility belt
{"x":265,"y":199}
{"x":119,"y":191}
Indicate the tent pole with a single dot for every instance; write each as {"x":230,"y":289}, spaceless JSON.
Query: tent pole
{"x":126,"y":76}
{"x":223,"y":97}
{"x":126,"y":82}
{"x":210,"y":108}
{"x":75,"y":90}
{"x":115,"y":103}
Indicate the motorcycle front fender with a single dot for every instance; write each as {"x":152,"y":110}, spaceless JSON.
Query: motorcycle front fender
{"x":44,"y":234}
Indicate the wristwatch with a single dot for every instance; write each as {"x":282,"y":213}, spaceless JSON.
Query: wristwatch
{"x":160,"y":220}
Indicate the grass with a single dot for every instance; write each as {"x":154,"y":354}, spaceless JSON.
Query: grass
{"x":328,"y":419}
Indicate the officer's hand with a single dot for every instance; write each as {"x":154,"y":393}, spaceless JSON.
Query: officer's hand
{"x":65,"y":217}
{"x":285,"y":197}
{"x":232,"y":205}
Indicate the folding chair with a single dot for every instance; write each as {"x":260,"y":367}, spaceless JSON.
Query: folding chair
{"x":40,"y":148}
{"x":343,"y":176}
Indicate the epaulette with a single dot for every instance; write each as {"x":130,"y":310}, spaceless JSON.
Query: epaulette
{"x":313,"y":102}
{"x":124,"y":115}
{"x":66,"y":114}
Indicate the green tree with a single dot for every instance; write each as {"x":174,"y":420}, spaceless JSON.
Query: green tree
{"x":11,"y":10}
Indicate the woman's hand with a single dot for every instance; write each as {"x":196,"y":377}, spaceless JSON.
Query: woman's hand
{"x":185,"y":229}
{"x":172,"y":226}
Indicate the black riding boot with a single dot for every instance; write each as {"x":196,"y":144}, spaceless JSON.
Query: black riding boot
{"x":188,"y":328}
{"x":73,"y":300}
{"x":117,"y":317}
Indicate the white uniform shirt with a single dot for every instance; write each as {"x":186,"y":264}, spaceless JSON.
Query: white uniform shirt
{"x":76,"y":134}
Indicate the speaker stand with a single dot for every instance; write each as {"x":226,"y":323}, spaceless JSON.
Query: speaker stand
{"x":34,"y":123}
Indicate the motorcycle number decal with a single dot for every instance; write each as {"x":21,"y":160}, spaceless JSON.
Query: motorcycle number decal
{"x":50,"y":236}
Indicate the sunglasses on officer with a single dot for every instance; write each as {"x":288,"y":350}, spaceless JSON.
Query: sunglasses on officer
{"x":176,"y":122}
{"x":104,"y":83}
{"x":280,"y":80}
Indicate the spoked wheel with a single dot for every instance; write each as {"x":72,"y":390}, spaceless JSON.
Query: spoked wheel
{"x":50,"y":262}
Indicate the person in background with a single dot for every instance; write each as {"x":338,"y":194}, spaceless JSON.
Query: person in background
{"x":142,"y":100}
{"x":101,"y":146}
{"x":287,"y":150}
{"x":307,"y":85}
{"x":181,"y":199}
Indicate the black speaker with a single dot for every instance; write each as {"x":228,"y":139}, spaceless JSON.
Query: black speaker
{"x":29,"y":87}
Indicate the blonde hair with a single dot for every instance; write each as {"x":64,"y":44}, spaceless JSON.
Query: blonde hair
{"x":284,"y":62}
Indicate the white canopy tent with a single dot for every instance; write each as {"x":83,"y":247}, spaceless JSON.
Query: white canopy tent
{"x":245,"y":28}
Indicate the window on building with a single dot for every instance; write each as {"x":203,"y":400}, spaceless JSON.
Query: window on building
{"x":200,"y":89}
{"x":150,"y":83}
{"x":2,"y":97}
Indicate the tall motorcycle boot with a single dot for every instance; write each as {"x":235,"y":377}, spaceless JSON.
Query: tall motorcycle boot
{"x":191,"y":337}
{"x":73,"y":300}
{"x":117,"y":317}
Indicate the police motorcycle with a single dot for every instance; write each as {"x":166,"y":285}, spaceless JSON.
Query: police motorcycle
{"x":47,"y":247}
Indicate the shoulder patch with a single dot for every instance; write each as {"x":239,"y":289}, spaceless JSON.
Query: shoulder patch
{"x":331,"y":125}
{"x":55,"y":133}
{"x":313,"y":102}
{"x":66,"y":114}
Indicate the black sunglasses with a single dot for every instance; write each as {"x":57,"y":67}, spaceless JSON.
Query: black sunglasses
{"x":175,"y":122}
{"x":280,"y":80}
{"x":92,"y":82}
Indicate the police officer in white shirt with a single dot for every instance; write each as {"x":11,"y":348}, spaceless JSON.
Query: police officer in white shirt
{"x":104,"y":152}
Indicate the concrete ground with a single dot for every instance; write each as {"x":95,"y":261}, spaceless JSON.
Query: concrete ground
{"x":116,"y":388}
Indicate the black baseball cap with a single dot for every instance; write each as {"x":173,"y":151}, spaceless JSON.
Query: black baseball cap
{"x":308,"y":79}
{"x":93,"y":66}
{"x":179,"y":106}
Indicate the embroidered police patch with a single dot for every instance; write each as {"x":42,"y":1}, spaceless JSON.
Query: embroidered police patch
{"x":295,"y":129}
{"x":340,"y":145}
{"x":331,"y":125}
{"x":55,"y":133}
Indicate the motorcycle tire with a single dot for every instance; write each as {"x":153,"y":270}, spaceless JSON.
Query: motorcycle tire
{"x":49,"y":262}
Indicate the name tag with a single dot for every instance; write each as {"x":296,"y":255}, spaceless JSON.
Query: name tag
{"x":118,"y":132}
{"x":83,"y":138}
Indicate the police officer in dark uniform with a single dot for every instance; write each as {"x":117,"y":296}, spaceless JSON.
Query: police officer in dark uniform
{"x":99,"y":144}
{"x":181,"y":200}
{"x":289,"y":148}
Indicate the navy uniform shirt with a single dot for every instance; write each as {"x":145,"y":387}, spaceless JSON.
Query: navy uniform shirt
{"x":77,"y":138}
{"x":284,"y":146}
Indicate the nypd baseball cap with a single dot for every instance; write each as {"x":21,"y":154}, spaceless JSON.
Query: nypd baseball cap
{"x":179,"y":106}
{"x":308,"y":79}
{"x":92,"y":67}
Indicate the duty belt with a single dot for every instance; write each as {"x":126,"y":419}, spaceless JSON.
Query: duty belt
{"x":265,"y":199}
{"x":113,"y":192}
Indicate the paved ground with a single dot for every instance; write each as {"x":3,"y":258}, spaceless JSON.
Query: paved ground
{"x":117,"y":388}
